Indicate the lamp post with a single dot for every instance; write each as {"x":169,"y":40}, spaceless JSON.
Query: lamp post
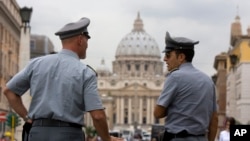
{"x":24,"y":51}
{"x":25,"y":13}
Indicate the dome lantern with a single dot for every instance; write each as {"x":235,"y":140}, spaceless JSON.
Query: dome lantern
{"x":138,"y":24}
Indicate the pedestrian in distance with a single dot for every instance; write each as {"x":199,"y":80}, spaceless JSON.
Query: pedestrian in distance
{"x":62,"y":90}
{"x":225,"y":134}
{"x":188,"y":100}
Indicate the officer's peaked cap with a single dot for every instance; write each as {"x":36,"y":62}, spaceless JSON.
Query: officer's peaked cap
{"x":73,"y":29}
{"x":178,"y":43}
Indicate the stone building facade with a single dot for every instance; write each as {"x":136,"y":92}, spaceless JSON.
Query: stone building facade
{"x":232,"y":78}
{"x":238,"y":77}
{"x":11,"y":60}
{"x":10,"y":22}
{"x":135,"y":82}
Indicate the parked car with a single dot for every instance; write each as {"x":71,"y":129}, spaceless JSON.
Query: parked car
{"x":157,"y":131}
{"x":146,"y":137}
{"x":115,"y":133}
{"x":128,"y":135}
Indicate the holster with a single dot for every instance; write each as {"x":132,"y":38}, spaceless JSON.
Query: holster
{"x":26,"y":130}
{"x":167,"y":136}
{"x":161,"y":136}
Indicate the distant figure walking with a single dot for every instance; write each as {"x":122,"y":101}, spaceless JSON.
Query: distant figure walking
{"x":225,"y":134}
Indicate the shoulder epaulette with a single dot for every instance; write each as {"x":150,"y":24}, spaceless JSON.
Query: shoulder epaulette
{"x":93,"y":70}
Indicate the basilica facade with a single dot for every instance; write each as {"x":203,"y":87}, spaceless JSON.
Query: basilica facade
{"x":129,"y":92}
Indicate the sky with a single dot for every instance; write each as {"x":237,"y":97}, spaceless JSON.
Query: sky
{"x":207,"y":21}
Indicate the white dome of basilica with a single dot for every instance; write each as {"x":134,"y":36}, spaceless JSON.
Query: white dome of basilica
{"x":138,"y":43}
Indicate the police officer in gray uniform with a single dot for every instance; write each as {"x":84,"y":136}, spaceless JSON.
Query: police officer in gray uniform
{"x":188,"y":100}
{"x":62,"y":90}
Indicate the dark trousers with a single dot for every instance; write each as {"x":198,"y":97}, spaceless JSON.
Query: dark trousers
{"x":184,"y":134}
{"x":44,"y":133}
{"x":55,"y":130}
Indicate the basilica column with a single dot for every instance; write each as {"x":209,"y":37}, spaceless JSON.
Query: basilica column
{"x":140,"y":110}
{"x":118,"y":110}
{"x":149,"y":111}
{"x":129,"y":110}
{"x":136,"y":107}
{"x":122,"y":110}
{"x":152,"y":109}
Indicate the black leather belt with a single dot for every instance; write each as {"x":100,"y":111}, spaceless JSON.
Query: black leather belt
{"x":54,"y":123}
{"x":183,"y":134}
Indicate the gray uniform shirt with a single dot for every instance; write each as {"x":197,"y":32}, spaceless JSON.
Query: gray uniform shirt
{"x":189,"y":96}
{"x":60,"y":85}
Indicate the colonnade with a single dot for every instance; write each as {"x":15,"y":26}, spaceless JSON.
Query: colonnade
{"x":135,"y":113}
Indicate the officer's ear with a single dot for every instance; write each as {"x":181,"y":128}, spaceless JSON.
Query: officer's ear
{"x":181,"y":56}
{"x":79,"y":39}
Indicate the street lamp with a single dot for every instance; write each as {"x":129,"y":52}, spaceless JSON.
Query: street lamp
{"x":24,"y":51}
{"x":25,"y":13}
